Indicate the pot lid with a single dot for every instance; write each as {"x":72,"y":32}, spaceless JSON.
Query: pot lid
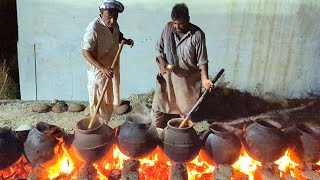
{"x":25,"y":127}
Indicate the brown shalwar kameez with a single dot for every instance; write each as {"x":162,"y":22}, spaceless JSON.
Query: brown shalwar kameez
{"x":178,"y":91}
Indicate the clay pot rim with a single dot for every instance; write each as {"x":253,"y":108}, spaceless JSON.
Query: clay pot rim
{"x":88,"y":131}
{"x":276,"y":125}
{"x":307,"y":128}
{"x":131,"y":119}
{"x":53,"y":135}
{"x":190,"y":124}
{"x":227,"y":129}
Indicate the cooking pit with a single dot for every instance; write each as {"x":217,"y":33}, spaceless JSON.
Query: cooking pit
{"x":298,"y":157}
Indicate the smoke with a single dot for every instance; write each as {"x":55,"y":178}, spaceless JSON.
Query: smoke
{"x":141,"y":114}
{"x":141,"y":109}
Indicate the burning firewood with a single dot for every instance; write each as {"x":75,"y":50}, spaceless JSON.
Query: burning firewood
{"x":87,"y":172}
{"x":267,"y":171}
{"x":130,"y":169}
{"x":288,"y":177}
{"x":115,"y":174}
{"x":178,"y":171}
{"x":306,"y":172}
{"x":222,"y":172}
{"x":239,"y":175}
{"x":266,"y":174}
{"x":37,"y":173}
{"x":310,"y":175}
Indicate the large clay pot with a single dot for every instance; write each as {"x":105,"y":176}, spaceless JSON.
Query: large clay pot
{"x":91,"y":145}
{"x":10,"y":148}
{"x":306,"y":144}
{"x":180,"y":144}
{"x":41,"y":142}
{"x":137,"y":137}
{"x":221,"y":145}
{"x":264,"y":140}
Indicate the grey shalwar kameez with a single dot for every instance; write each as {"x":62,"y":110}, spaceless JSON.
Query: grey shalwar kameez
{"x":178,"y":91}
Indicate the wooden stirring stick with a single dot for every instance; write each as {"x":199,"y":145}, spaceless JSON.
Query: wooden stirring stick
{"x":185,"y":120}
{"x":105,"y":87}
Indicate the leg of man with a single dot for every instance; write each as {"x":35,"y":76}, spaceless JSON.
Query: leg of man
{"x":105,"y":110}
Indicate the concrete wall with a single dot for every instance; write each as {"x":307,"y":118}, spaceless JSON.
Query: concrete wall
{"x":264,"y":45}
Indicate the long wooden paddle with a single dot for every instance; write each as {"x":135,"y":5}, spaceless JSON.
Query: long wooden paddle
{"x":185,"y":120}
{"x":105,"y":87}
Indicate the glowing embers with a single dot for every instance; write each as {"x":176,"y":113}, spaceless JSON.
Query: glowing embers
{"x":155,"y":167}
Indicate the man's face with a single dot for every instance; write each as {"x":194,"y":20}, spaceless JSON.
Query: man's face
{"x":109,"y":17}
{"x":181,"y":25}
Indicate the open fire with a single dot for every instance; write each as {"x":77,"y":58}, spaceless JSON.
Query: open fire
{"x":154,"y":167}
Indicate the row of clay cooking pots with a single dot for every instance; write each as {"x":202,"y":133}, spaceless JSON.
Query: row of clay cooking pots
{"x":264,"y":140}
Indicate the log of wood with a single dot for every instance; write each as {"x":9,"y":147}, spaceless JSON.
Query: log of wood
{"x":37,"y":173}
{"x":115,"y":174}
{"x":131,"y":175}
{"x":310,"y":175}
{"x":131,"y":165}
{"x":237,"y":175}
{"x":130,"y":169}
{"x":223,"y":172}
{"x":266,"y":173}
{"x":87,"y":172}
{"x":288,"y":177}
{"x":178,"y":171}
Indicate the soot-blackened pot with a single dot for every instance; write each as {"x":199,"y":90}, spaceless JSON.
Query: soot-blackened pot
{"x":264,"y":140}
{"x":137,"y":137}
{"x":41,"y":142}
{"x":180,"y":144}
{"x":306,"y":144}
{"x":220,"y":145}
{"x":10,"y":148}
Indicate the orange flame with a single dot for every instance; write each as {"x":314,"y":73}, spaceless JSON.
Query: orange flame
{"x":198,"y":168}
{"x":20,"y":169}
{"x":285,"y":164}
{"x":247,"y":165}
{"x":64,"y":165}
{"x":154,"y":167}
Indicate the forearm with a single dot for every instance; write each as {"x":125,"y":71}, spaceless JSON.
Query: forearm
{"x":91,"y":59}
{"x":122,"y":38}
{"x":204,"y":71}
{"x":162,"y":62}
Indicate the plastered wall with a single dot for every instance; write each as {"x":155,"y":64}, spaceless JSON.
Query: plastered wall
{"x":264,"y":45}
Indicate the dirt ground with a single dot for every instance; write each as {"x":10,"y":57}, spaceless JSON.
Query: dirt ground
{"x":222,"y":105}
